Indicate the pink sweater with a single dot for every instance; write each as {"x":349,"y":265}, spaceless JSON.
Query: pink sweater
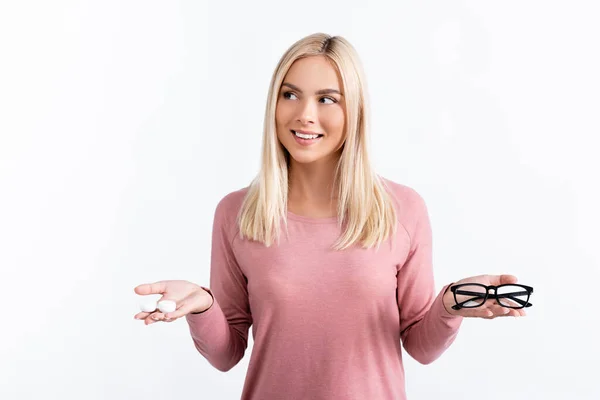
{"x":326,"y":325}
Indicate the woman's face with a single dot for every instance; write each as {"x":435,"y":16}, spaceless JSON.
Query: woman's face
{"x":310,"y":103}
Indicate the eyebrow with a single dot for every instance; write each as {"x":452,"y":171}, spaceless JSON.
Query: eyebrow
{"x":322,"y":91}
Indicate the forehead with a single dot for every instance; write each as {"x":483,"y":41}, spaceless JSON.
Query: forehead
{"x":314,"y":73}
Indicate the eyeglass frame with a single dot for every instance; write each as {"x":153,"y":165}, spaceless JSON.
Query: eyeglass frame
{"x":485,"y":295}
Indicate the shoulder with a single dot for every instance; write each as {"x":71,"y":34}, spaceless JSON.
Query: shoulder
{"x":404,"y":195}
{"x":229,"y":206}
{"x":409,"y":203}
{"x":232,"y":201}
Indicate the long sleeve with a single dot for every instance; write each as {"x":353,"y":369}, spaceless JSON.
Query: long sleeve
{"x":220,"y":333}
{"x":427,"y":329}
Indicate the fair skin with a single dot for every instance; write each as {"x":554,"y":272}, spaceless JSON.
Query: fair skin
{"x":310,"y":101}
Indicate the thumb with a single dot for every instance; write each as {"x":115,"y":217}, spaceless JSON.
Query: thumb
{"x":502,"y":279}
{"x":151,"y":288}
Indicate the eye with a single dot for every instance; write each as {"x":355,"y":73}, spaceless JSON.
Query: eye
{"x":331,"y":99}
{"x":288,"y":95}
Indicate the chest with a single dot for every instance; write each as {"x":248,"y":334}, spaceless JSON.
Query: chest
{"x":305,"y":266}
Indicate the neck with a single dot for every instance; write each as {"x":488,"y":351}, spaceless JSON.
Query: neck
{"x":312,"y":183}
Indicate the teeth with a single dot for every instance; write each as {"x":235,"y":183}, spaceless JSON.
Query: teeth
{"x":303,"y":136}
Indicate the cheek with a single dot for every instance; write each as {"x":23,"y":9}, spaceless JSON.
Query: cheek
{"x":278,"y":115}
{"x":334,"y":121}
{"x":279,"y":120}
{"x":283,"y":112}
{"x":282,"y":121}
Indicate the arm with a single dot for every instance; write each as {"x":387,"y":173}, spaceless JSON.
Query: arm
{"x":427,"y":329}
{"x":220,"y":333}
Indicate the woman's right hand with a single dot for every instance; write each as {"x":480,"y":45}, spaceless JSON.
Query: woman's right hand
{"x":188,"y":297}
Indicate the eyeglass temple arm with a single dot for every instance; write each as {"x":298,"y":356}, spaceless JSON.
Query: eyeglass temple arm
{"x":459,"y":305}
{"x":478,"y":295}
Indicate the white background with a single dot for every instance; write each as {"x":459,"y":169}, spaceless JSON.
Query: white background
{"x":123,"y":123}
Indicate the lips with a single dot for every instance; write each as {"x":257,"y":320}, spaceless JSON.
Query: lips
{"x":309,"y":133}
{"x":308,"y":139}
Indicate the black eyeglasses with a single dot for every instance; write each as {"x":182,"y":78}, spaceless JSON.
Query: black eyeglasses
{"x":472,"y":295}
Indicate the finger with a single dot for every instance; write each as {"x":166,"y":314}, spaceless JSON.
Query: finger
{"x":518,"y":312}
{"x":522,"y":312}
{"x":153,"y":318}
{"x":151,"y":288}
{"x":141,"y":315}
{"x":499,"y":311}
{"x":506,"y":279}
{"x":515,"y":313}
{"x":515,"y":308}
{"x":479,"y":312}
{"x":182,"y":310}
{"x":488,"y":311}
{"x":158,"y":316}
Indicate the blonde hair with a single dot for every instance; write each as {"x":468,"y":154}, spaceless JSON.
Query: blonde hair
{"x":365,"y":207}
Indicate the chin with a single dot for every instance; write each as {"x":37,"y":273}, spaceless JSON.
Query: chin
{"x":304,"y":158}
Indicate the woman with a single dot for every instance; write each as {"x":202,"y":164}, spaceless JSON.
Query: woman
{"x":330,"y":263}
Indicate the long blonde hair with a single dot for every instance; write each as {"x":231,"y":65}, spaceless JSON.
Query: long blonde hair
{"x":365,"y":207}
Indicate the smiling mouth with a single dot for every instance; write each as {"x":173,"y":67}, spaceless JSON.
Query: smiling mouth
{"x":306,"y":136}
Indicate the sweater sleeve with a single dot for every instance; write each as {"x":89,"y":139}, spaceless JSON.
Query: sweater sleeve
{"x":220,"y":333}
{"x":427,"y":329}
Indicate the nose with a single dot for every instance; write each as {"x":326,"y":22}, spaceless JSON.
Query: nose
{"x":307,"y":113}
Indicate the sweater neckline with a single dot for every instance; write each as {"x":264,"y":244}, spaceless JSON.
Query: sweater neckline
{"x":312,"y":220}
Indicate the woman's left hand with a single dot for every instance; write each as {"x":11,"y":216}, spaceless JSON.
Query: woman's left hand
{"x":491,"y":309}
